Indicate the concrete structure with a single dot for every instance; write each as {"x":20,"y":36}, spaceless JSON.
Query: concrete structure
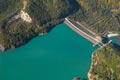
{"x":81,"y":30}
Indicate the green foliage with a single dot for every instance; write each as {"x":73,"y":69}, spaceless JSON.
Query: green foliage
{"x":44,"y":13}
{"x":18,"y":32}
{"x":98,"y":16}
{"x":51,"y":11}
{"x":106,"y":63}
{"x":8,"y":8}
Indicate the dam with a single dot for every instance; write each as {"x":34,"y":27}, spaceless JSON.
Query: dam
{"x":81,"y":30}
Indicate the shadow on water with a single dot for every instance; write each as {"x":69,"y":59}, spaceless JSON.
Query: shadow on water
{"x":116,"y":43}
{"x":116,"y":46}
{"x":105,"y":39}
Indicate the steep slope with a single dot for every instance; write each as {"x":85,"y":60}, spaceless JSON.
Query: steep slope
{"x":50,"y":12}
{"x":8,"y":7}
{"x":14,"y":30}
{"x":101,"y":16}
{"x":105,"y":64}
{"x":20,"y":20}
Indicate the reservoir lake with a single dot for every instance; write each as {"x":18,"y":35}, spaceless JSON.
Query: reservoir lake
{"x":61,"y":54}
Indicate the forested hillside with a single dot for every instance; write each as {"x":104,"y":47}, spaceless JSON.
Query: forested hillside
{"x":106,"y":64}
{"x":100,"y":16}
{"x":50,"y":12}
{"x":15,"y":30}
{"x":8,"y":8}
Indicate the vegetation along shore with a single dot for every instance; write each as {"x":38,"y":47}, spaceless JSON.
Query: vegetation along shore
{"x":22,"y":20}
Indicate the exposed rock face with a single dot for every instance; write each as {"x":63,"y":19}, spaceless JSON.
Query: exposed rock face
{"x":25,"y":16}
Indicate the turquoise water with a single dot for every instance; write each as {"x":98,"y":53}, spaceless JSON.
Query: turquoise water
{"x":115,"y":40}
{"x":59,"y":55}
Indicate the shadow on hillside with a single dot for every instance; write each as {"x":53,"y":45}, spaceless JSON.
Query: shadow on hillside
{"x":75,"y":7}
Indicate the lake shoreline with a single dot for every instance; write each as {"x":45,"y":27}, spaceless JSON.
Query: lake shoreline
{"x":64,"y":55}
